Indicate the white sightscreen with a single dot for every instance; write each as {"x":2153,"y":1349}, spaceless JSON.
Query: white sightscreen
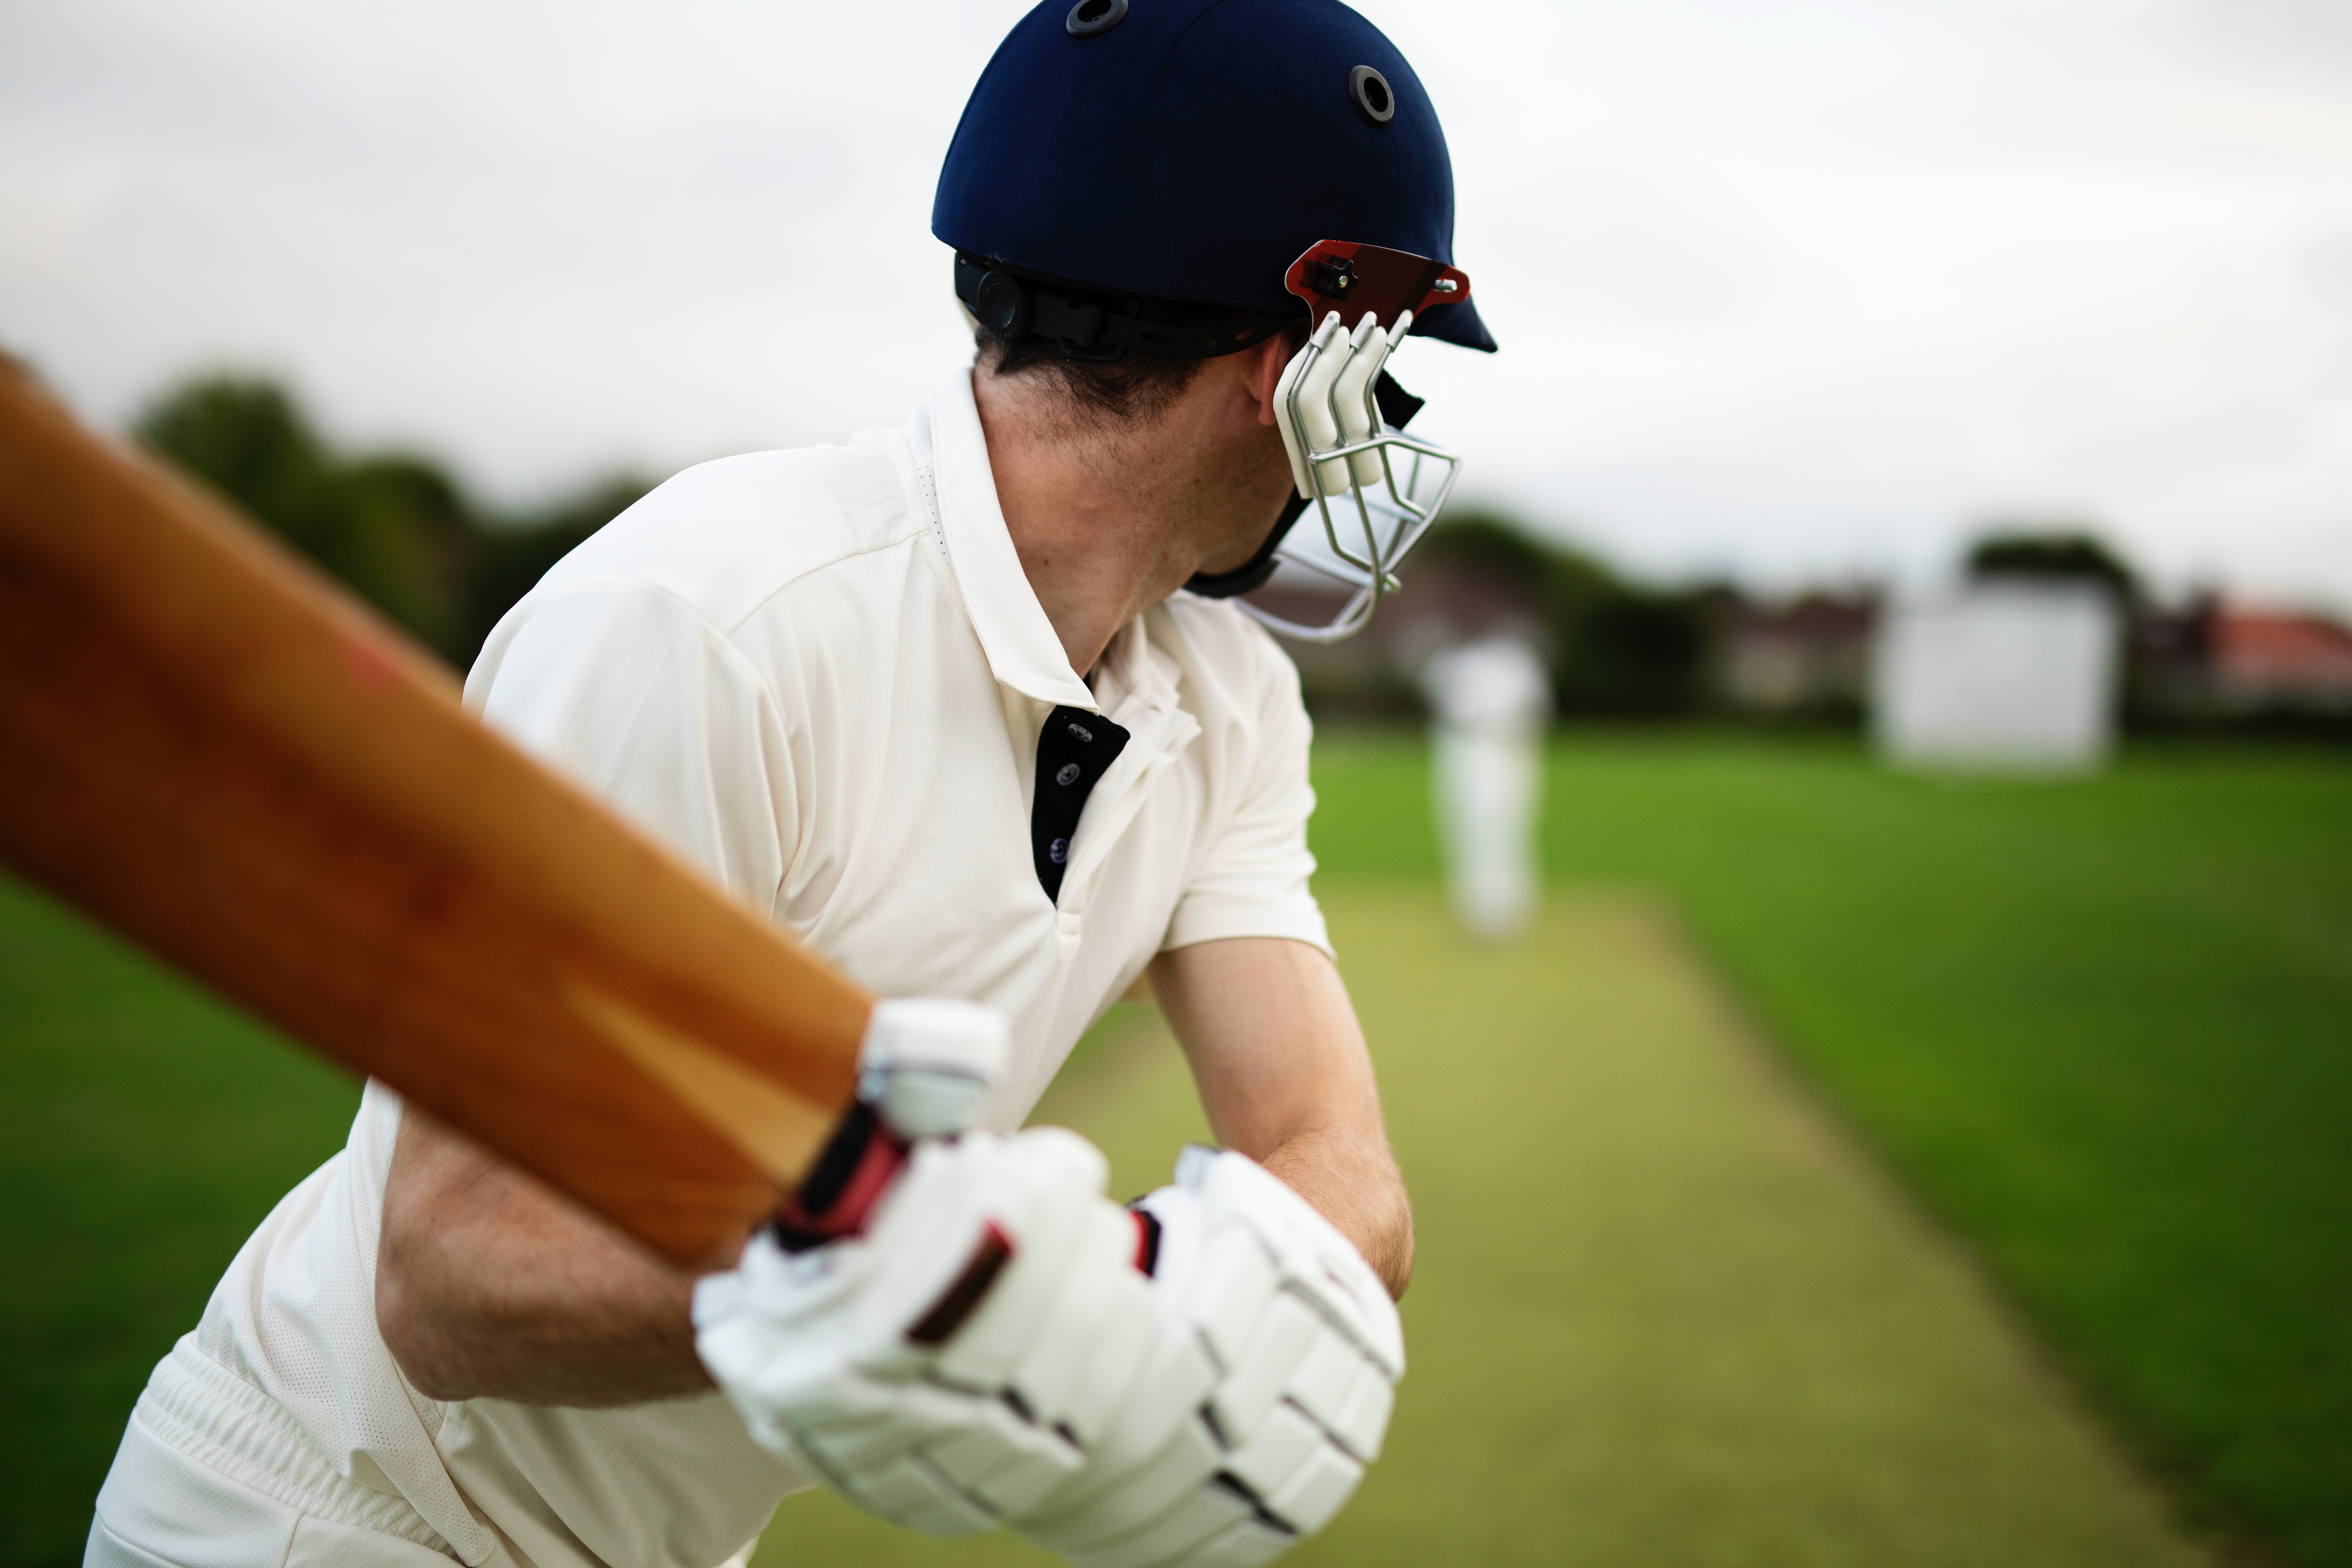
{"x":1998,"y":676}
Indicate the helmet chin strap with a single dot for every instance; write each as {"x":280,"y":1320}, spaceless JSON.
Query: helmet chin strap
{"x":1396,"y":409}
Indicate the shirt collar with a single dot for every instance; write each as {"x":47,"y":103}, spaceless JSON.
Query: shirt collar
{"x":1133,"y":666}
{"x":1024,"y":652}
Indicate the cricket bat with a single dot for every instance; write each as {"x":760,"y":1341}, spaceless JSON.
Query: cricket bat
{"x":209,"y":747}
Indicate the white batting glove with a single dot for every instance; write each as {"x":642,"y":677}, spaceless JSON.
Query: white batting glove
{"x":955,"y":1361}
{"x":1307,"y":1350}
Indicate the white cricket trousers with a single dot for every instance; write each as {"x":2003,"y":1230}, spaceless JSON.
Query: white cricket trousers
{"x":160,"y":1509}
{"x":171,"y":1501}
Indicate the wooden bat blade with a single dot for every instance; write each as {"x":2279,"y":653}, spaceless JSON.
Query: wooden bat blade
{"x":208,"y":747}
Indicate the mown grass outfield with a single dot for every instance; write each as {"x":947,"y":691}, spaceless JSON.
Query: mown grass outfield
{"x":1666,"y":1312}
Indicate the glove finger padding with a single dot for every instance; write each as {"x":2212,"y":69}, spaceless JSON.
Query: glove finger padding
{"x":1304,"y":1351}
{"x":943,"y":1368}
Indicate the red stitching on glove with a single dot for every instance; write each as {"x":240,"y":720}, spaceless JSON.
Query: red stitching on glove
{"x":962,"y":1299}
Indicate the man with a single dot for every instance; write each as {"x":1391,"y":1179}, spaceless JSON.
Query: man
{"x":937,"y":701}
{"x":1490,"y":699}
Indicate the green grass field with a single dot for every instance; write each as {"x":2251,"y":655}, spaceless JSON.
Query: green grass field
{"x":2104,"y":1028}
{"x":144,"y":1131}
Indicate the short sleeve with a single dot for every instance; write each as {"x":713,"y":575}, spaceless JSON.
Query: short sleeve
{"x":1253,"y":880}
{"x":624,"y":689}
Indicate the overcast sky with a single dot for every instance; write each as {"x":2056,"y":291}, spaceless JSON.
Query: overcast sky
{"x":1797,"y":290}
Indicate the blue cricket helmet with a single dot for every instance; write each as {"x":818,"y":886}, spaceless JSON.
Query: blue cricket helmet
{"x":1191,"y":150}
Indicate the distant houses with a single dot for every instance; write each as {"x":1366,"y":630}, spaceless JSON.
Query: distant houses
{"x":1805,"y":658}
{"x":2258,"y":660}
{"x":1620,"y":650}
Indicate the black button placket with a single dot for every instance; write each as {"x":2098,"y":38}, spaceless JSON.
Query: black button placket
{"x":1075,"y":748}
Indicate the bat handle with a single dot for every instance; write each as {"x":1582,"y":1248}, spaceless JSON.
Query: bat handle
{"x":926,"y":1069}
{"x":859,"y":1161}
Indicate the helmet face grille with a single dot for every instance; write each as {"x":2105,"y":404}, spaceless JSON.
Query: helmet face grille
{"x":1372,"y":490}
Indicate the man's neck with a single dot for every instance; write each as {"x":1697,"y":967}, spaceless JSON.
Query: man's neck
{"x":1109,"y":519}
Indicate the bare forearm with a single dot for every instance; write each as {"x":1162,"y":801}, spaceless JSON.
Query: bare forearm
{"x":1354,"y":1183}
{"x":1286,"y":1079}
{"x":490,"y":1285}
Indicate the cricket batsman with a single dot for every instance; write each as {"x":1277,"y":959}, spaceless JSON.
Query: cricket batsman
{"x":976,"y":708}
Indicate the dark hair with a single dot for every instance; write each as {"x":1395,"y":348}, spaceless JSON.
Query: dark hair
{"x":1132,"y":389}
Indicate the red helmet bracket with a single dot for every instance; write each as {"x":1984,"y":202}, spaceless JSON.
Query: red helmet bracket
{"x":1351,"y":279}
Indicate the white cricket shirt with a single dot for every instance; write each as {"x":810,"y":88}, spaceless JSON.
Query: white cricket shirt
{"x":821,"y":676}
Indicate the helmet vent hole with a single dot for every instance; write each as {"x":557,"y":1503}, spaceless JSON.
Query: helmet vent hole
{"x":1368,"y":87}
{"x":1093,"y":18}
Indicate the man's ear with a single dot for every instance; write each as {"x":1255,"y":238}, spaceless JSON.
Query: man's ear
{"x":1265,"y":371}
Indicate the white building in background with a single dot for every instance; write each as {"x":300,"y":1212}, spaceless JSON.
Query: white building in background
{"x":2005,"y":674}
{"x":1492,"y":701}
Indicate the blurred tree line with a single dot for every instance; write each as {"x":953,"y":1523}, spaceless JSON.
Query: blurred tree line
{"x":398,"y":528}
{"x":1615,"y":646}
{"x":393,"y":526}
{"x":400,"y":532}
{"x":2054,"y":552}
